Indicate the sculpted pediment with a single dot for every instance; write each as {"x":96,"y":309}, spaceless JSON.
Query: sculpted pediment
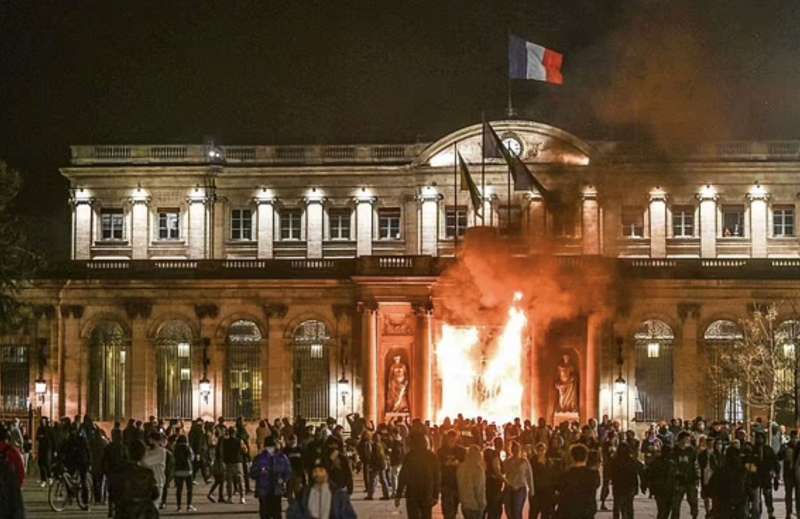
{"x":536,"y":142}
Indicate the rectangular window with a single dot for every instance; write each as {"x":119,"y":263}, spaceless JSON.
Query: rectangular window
{"x":112,"y":224}
{"x":564,"y":221}
{"x":340,"y":224}
{"x":455,"y":218}
{"x":14,"y":378}
{"x":507,"y":226}
{"x":241,"y":224}
{"x":733,"y":221}
{"x":683,"y":222}
{"x":389,"y":224}
{"x":783,"y":221}
{"x":290,"y":224}
{"x":169,"y":224}
{"x":632,"y":222}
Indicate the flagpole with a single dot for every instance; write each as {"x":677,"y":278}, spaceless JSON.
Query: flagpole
{"x":508,"y":212}
{"x":510,"y":107}
{"x":455,"y":195}
{"x":483,"y":168}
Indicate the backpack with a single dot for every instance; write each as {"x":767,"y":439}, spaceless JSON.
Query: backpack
{"x":11,"y":505}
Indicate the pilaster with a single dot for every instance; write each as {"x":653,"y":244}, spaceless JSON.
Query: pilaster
{"x":708,"y":222}
{"x":758,"y":198}
{"x":590,"y":221}
{"x":364,"y":225}
{"x":658,"y":223}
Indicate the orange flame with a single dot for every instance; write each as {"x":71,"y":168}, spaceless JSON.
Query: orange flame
{"x":492,"y":390}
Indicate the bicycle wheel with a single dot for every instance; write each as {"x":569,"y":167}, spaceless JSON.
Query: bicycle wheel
{"x":58,"y":495}
{"x":85,"y":495}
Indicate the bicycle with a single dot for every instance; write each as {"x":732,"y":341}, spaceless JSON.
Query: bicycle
{"x":66,"y":488}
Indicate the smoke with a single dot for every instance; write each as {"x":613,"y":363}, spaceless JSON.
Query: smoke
{"x":479,"y":288}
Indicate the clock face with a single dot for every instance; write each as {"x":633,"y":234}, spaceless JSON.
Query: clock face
{"x":513,"y":145}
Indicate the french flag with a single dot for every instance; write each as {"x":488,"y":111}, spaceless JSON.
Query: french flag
{"x":526,"y":60}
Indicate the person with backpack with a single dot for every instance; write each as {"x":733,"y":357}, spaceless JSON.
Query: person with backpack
{"x":12,"y":476}
{"x":135,"y":486}
{"x":184,"y":465}
{"x":272,"y":472}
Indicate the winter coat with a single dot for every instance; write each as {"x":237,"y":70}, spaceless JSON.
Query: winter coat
{"x":271,"y":471}
{"x":341,"y":508}
{"x":471,"y":479}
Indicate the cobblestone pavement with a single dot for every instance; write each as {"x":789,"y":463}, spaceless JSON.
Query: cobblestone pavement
{"x":37,"y":507}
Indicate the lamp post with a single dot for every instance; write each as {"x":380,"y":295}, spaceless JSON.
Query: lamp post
{"x":205,"y":384}
{"x":620,"y":385}
{"x":40,"y":385}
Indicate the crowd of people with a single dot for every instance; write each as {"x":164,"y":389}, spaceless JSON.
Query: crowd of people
{"x":466,"y":465}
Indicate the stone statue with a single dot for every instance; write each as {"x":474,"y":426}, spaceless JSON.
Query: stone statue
{"x":397,"y":387}
{"x":566,"y":386}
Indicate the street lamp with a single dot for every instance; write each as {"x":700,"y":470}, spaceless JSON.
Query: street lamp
{"x":343,"y":389}
{"x":40,"y":388}
{"x":205,"y":384}
{"x":620,"y":385}
{"x":40,"y":385}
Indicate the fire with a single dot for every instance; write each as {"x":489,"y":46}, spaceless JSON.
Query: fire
{"x":482,"y":383}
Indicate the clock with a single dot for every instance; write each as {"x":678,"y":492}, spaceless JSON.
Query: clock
{"x":513,"y":145}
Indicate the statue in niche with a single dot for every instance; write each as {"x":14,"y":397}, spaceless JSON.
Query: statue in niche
{"x":397,"y":387}
{"x":566,"y":384}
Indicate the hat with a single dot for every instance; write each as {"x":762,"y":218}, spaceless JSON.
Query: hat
{"x":318,"y":464}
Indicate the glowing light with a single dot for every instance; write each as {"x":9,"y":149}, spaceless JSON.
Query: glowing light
{"x":653,"y":350}
{"x":493,"y":391}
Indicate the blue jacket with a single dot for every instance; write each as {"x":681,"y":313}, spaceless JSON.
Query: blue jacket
{"x":341,"y":508}
{"x":271,"y":472}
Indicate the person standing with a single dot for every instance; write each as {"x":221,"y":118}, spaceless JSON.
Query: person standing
{"x":471,"y":479}
{"x":546,"y":474}
{"x":660,"y":477}
{"x":199,"y":444}
{"x":419,"y":479}
{"x":519,"y":481}
{"x":450,"y":456}
{"x":624,"y":475}
{"x":687,"y":476}
{"x":607,"y":451}
{"x":578,"y":487}
{"x":217,"y":471}
{"x":115,"y":456}
{"x":378,"y":462}
{"x":321,"y":499}
{"x":135,"y":487}
{"x":184,"y":470}
{"x":789,"y":455}
{"x":155,"y":459}
{"x":44,"y":450}
{"x":494,"y":480}
{"x":767,"y":472}
{"x":244,"y":437}
{"x":232,"y":457}
{"x":364,"y":450}
{"x":12,"y":476}
{"x":730,"y":487}
{"x":272,"y":472}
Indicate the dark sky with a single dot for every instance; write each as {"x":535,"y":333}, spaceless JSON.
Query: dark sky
{"x":376,"y":71}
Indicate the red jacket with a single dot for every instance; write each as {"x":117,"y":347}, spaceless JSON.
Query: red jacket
{"x":15,"y":458}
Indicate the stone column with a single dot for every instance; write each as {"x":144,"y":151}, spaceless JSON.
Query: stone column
{"x":688,"y":387}
{"x":758,"y":221}
{"x":658,"y":223}
{"x":141,"y":392}
{"x":219,"y":212}
{"x":369,"y":359}
{"x":140,"y":225}
{"x":489,"y":218}
{"x":314,"y":226}
{"x":277,"y":385}
{"x":197,"y":224}
{"x":594,"y":345}
{"x":536,"y":222}
{"x":364,"y":225}
{"x":266,"y":226}
{"x":429,"y":220}
{"x":424,"y":378}
{"x":708,"y":222}
{"x":72,"y":371}
{"x":590,"y":221}
{"x":82,"y":225}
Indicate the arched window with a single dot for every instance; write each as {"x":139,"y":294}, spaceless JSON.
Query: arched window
{"x":174,"y":370}
{"x":14,"y":377}
{"x":654,"y":379}
{"x":243,"y":374}
{"x":726,"y":397}
{"x":311,"y":370}
{"x":787,"y":341}
{"x":108,"y":371}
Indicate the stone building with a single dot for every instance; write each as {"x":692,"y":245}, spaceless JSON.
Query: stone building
{"x":268,"y":281}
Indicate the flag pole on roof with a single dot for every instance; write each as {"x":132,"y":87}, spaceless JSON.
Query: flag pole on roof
{"x":510,"y":113}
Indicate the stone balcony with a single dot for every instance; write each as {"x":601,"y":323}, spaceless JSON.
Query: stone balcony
{"x":410,"y":266}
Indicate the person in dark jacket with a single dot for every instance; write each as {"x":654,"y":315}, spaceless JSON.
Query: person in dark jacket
{"x":546,"y":475}
{"x":232,"y":457}
{"x":272,"y":472}
{"x":578,"y":487}
{"x":45,"y":443}
{"x":687,"y":477}
{"x":115,"y":456}
{"x":136,"y":487}
{"x":378,"y":462}
{"x":730,"y":486}
{"x":450,"y":455}
{"x":199,"y":444}
{"x":789,"y":455}
{"x":76,"y":458}
{"x":295,"y":455}
{"x":624,"y":475}
{"x":339,"y":471}
{"x":321,"y":499}
{"x":419,"y":479}
{"x":244,"y":437}
{"x":767,"y":473}
{"x":183,"y":472}
{"x":217,"y":471}
{"x":660,"y":477}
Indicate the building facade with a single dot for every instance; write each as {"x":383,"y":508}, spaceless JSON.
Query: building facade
{"x":269,"y":281}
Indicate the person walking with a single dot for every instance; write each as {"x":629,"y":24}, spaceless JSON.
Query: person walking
{"x":624,"y":475}
{"x":12,"y":476}
{"x":519,"y":481}
{"x":321,"y":499}
{"x":272,"y":472}
{"x":217,"y":471}
{"x":184,"y":472}
{"x":687,"y":477}
{"x":660,"y":476}
{"x":45,"y":443}
{"x":546,"y":474}
{"x":115,"y":456}
{"x":155,"y":459}
{"x":378,"y":462}
{"x":450,"y":456}
{"x":494,"y":480}
{"x":730,"y":487}
{"x":419,"y":479}
{"x":198,"y":442}
{"x":232,"y":457}
{"x":578,"y":487}
{"x":244,"y":437}
{"x":471,"y":479}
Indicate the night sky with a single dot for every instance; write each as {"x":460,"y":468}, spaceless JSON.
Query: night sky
{"x":268,"y":72}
